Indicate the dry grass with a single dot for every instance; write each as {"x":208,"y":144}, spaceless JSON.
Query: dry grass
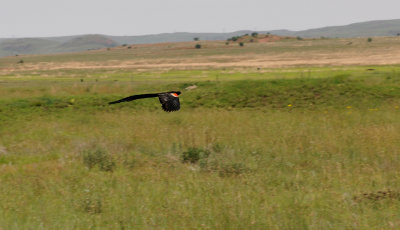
{"x":332,"y":52}
{"x":266,"y":170}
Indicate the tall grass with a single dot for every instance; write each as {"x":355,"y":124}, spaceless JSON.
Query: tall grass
{"x":294,"y":170}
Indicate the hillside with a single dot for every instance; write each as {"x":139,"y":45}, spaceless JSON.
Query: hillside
{"x":10,"y":47}
{"x":175,"y":37}
{"x":362,"y":29}
{"x":87,"y":42}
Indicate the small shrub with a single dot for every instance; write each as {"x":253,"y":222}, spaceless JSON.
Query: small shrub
{"x":124,"y":44}
{"x":299,"y":38}
{"x":196,"y":39}
{"x":226,"y":43}
{"x":234,"y":39}
{"x":241,"y":44}
{"x":254,"y":34}
{"x":193,"y":155}
{"x":21,"y":61}
{"x":369,"y":39}
{"x":129,"y":47}
{"x":197,"y":46}
{"x":99,"y":157}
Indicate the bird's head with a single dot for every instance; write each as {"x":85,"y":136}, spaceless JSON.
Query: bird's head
{"x":175,"y":93}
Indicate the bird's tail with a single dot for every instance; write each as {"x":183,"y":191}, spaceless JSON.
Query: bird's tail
{"x":134,"y":97}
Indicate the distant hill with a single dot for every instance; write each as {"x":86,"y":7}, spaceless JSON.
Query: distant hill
{"x":361,"y":29}
{"x":86,"y":42}
{"x":26,"y":46}
{"x":175,"y":37}
{"x":10,"y":46}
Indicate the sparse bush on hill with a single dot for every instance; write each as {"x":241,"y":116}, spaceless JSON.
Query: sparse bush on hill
{"x":241,"y":44}
{"x":21,"y":61}
{"x":299,"y":38}
{"x":369,"y":39}
{"x":196,"y":39}
{"x":254,"y":34}
{"x":226,"y":43}
{"x":197,"y":46}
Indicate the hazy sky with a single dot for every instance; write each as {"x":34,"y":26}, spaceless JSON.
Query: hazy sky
{"x":32,"y":18}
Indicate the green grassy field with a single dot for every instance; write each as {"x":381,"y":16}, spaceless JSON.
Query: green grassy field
{"x":282,"y":148}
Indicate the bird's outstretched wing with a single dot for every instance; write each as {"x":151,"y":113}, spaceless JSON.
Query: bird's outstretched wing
{"x":134,"y":97}
{"x":169,"y":101}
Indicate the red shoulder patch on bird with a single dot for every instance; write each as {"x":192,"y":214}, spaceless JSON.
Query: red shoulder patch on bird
{"x":175,"y":94}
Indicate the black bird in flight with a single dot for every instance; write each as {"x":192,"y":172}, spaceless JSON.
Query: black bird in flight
{"x":169,"y":100}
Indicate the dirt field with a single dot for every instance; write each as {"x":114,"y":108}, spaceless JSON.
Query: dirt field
{"x":320,"y":52}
